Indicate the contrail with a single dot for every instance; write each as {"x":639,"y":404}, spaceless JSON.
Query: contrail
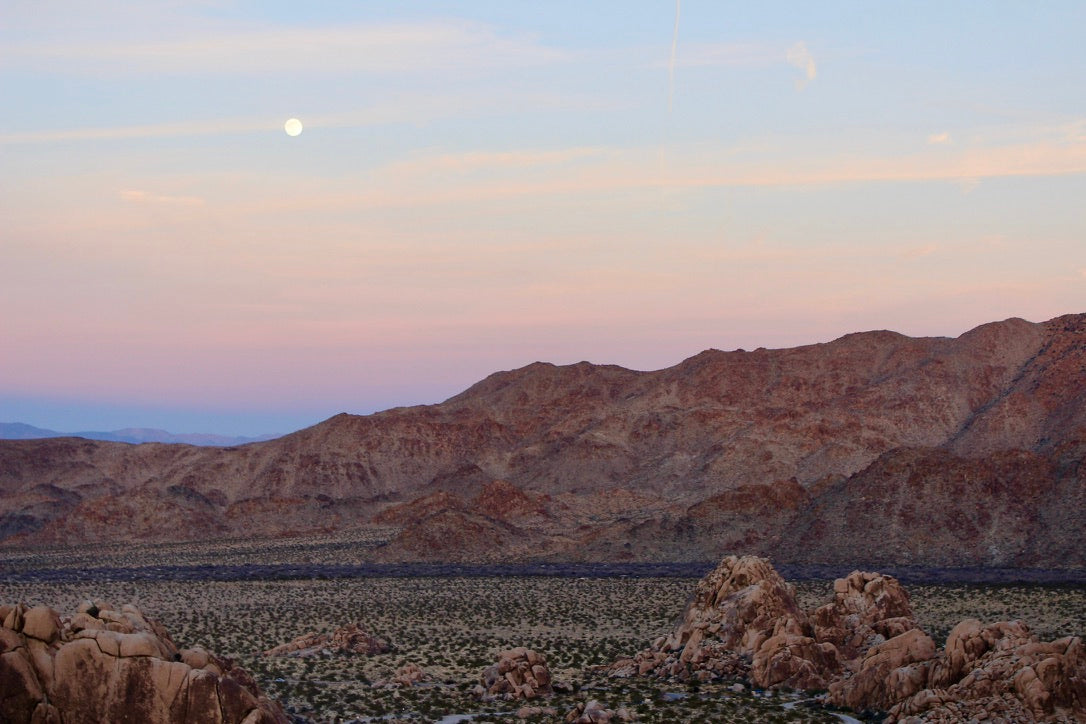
{"x":671,"y":64}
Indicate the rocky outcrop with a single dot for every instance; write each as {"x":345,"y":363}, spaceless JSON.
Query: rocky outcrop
{"x":739,"y":604}
{"x":519,"y":673}
{"x":593,"y":712}
{"x":887,"y":672}
{"x":744,"y":607}
{"x":867,"y":609}
{"x":1003,"y":672}
{"x":865,"y":650}
{"x":967,"y":451}
{"x":349,"y":639}
{"x":408,"y":675}
{"x":743,"y":622}
{"x":109,"y":664}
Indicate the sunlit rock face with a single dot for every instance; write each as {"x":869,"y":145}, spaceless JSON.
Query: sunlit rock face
{"x":108,"y":664}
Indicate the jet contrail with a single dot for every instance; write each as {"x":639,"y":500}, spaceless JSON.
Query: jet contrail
{"x":671,"y":64}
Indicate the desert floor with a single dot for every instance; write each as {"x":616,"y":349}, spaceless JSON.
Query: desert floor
{"x":453,"y":627}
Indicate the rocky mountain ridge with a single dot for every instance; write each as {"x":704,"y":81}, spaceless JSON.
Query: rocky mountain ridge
{"x":875,"y":448}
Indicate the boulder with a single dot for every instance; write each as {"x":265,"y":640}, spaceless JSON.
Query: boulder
{"x":116,"y":666}
{"x":794,"y":662}
{"x":42,"y":623}
{"x":889,"y":672}
{"x":593,"y":712}
{"x":1000,"y":671}
{"x":408,"y":675}
{"x":867,"y":609}
{"x":519,"y":673}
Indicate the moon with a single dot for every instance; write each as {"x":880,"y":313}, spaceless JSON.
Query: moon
{"x":293,"y":127}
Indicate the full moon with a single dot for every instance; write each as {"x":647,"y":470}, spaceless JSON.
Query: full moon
{"x":293,"y":127}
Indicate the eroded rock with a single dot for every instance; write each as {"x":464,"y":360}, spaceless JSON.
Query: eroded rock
{"x":867,"y":609}
{"x":519,"y":673}
{"x":349,"y":639}
{"x":743,"y":622}
{"x":866,"y":650}
{"x":104,"y":664}
{"x":1002,"y":671}
{"x":593,"y":712}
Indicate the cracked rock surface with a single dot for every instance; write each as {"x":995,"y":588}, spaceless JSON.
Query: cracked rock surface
{"x":108,"y":664}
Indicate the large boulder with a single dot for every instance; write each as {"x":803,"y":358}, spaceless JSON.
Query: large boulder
{"x":795,"y":662}
{"x":105,"y":664}
{"x":867,"y":609}
{"x":889,"y":672}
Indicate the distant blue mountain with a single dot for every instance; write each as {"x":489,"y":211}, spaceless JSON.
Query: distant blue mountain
{"x":22,"y":431}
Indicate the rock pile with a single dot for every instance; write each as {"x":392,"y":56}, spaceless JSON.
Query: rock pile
{"x":865,"y":649}
{"x":408,"y":675}
{"x":109,"y":664}
{"x":999,"y":670}
{"x":349,"y":639}
{"x":593,"y":712}
{"x":519,"y":673}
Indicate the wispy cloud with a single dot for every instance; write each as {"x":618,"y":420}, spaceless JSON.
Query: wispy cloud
{"x":145,"y":197}
{"x":441,"y":179}
{"x":936,"y":139}
{"x":490,"y":161}
{"x":801,"y":58}
{"x":917,"y":252}
{"x":374,"y":48}
{"x":157,"y":130}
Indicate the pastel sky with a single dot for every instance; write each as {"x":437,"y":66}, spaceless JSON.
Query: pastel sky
{"x":480,"y":185}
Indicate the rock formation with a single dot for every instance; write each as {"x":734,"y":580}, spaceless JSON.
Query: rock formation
{"x":108,"y":664}
{"x":519,"y":673}
{"x":349,"y":639}
{"x":408,"y":675}
{"x":865,"y":649}
{"x":970,"y":452}
{"x":593,"y":712}
{"x":999,"y":670}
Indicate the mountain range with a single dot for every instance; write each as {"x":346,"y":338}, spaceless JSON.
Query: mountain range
{"x":133,"y":435}
{"x":875,"y":448}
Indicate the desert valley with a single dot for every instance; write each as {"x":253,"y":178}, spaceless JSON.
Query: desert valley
{"x":563,"y":516}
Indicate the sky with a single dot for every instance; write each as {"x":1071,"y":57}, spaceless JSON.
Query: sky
{"x":480,"y":185}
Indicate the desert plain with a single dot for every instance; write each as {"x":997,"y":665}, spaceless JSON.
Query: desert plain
{"x":451,"y":622}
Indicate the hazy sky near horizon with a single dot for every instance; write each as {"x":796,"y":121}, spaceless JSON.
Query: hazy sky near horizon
{"x":485,"y":184}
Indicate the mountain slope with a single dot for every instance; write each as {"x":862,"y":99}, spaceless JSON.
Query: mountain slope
{"x":724,"y":450}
